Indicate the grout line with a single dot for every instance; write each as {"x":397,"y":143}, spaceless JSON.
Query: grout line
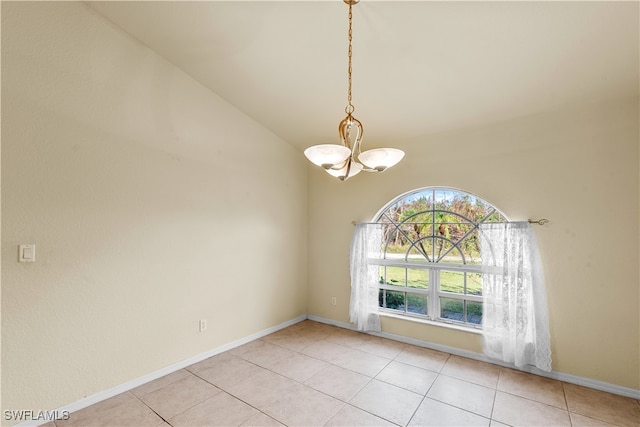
{"x":298,"y":382}
{"x":222,"y":390}
{"x":495,"y":394}
{"x":150,"y":408}
{"x":419,"y":405}
{"x":566,"y":402}
{"x":369,"y":381}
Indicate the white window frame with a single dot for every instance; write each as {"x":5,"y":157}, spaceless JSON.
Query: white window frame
{"x":433,"y":291}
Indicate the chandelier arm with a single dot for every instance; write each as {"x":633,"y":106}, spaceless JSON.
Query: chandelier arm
{"x":355,"y":152}
{"x":371,"y":170}
{"x":341,"y":165}
{"x":346,"y":174}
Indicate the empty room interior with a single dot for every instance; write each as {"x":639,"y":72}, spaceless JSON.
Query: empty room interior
{"x":171,"y":255}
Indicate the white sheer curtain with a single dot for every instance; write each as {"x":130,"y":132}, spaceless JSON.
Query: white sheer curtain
{"x":365,"y":246}
{"x":515,"y":321}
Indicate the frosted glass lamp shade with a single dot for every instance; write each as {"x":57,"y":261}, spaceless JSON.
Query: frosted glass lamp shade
{"x":380,"y":159}
{"x":341,"y":173}
{"x":327,"y":155}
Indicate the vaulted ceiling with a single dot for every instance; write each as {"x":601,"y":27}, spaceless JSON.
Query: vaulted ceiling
{"x":419,"y":67}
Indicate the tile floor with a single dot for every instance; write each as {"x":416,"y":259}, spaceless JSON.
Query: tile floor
{"x":312,"y":374}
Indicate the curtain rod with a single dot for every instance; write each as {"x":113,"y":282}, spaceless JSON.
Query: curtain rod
{"x":541,"y":221}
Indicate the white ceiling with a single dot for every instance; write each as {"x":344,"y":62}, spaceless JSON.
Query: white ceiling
{"x":419,"y":67}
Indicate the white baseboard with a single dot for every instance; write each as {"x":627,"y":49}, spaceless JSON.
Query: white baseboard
{"x":129,"y":385}
{"x":561,"y":376}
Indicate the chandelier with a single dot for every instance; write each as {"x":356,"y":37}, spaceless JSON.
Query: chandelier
{"x":346,"y":160}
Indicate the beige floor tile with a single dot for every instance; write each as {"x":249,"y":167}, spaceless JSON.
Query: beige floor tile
{"x":423,"y":358}
{"x":434,"y":413}
{"x":303,"y":407}
{"x":533,"y":387}
{"x":318,"y":334}
{"x":249,"y":347}
{"x":262,"y":389}
{"x":261,"y":420}
{"x":315,"y":330}
{"x":364,"y":363}
{"x":347,"y":338}
{"x":286,"y":332}
{"x":299,"y":367}
{"x":578,"y":420}
{"x":325,"y":350}
{"x":387,"y":401}
{"x":350,"y":416}
{"x":179,"y":396}
{"x":122,"y":410}
{"x":210,"y":362}
{"x":611,"y":408}
{"x":338,"y":382}
{"x":262,"y":353}
{"x":409,"y":377}
{"x":518,"y":411}
{"x":495,"y":423}
{"x":228,"y":371}
{"x":464,"y":395}
{"x":219,"y":410}
{"x":97,"y":411}
{"x":292,"y":340}
{"x":382,"y":347}
{"x":307,"y":324}
{"x":160,"y":382}
{"x":134,"y":414}
{"x":473,"y":371}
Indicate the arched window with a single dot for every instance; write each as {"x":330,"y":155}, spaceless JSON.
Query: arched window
{"x":430,"y":266}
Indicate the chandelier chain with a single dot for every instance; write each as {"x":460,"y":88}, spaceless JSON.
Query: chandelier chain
{"x":350,"y":108}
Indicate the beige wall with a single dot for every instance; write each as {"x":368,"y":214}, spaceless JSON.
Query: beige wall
{"x":577,"y":167}
{"x":148,"y":201}
{"x":143,"y":193}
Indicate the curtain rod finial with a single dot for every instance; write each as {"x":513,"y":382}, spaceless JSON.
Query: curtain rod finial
{"x":542,"y":221}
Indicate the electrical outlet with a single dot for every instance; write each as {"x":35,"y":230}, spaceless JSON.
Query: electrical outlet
{"x":203,"y":325}
{"x":334,"y":300}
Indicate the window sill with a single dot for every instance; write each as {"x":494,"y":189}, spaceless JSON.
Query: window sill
{"x":461,"y":328}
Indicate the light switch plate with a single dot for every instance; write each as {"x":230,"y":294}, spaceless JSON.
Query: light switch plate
{"x":27,"y":253}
